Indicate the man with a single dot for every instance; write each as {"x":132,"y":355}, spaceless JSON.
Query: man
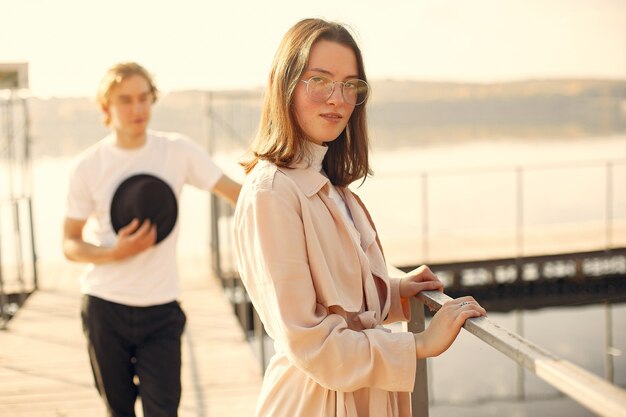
{"x":131,"y":319}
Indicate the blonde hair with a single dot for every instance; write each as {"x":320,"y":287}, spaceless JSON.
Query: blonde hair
{"x":114,"y":76}
{"x":280,"y":139}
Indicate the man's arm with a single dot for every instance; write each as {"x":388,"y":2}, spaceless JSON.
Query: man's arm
{"x":228,"y":189}
{"x":132,"y":239}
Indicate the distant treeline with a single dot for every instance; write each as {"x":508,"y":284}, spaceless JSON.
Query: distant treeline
{"x":400,"y":113}
{"x":429,"y":112}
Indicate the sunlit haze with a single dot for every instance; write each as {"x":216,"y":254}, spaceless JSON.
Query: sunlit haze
{"x":189,"y":44}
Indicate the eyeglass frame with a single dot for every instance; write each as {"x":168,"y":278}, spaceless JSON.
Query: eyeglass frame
{"x":332,"y":90}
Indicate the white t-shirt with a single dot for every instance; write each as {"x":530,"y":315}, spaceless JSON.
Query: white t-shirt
{"x":150,"y":277}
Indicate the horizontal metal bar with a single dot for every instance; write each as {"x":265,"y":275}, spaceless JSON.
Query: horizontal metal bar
{"x":539,"y":259}
{"x":441,"y":172}
{"x":593,"y":392}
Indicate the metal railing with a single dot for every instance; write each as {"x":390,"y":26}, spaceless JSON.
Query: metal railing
{"x":518,"y":176}
{"x":18,"y":272}
{"x":591,"y":391}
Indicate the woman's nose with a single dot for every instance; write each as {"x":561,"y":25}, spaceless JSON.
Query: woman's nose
{"x":336,"y":97}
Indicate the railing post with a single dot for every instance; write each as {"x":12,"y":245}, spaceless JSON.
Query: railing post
{"x":425,"y":237}
{"x":521,"y":372}
{"x":419,"y":396}
{"x":519,"y":215}
{"x":609,"y":205}
{"x":32,"y":244}
{"x":259,"y":333}
{"x":4,"y":300}
{"x":215,"y":238}
{"x":241,"y":300}
{"x":608,"y":343}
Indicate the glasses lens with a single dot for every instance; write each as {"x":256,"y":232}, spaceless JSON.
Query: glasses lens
{"x":355,"y":91}
{"x":319,"y":88}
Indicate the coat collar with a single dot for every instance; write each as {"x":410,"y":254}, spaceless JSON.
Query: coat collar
{"x":307,"y":172}
{"x":307,"y":179}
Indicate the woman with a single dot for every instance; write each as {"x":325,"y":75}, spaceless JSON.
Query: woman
{"x":308,"y":252}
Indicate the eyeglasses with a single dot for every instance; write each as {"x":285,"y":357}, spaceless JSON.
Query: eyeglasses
{"x":320,"y":89}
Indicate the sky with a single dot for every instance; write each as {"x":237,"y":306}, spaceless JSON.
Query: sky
{"x":210,"y":45}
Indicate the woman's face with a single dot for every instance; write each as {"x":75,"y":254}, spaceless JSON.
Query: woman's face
{"x":324,"y":121}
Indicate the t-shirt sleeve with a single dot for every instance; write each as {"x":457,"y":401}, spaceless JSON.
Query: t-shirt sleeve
{"x":201,"y":171}
{"x":79,"y":204}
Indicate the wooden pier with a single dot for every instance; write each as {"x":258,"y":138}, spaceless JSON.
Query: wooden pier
{"x":44,"y":367}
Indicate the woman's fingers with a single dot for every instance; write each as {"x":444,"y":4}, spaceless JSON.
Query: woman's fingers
{"x":420,"y":279}
{"x":427,"y":286}
{"x":468,"y":303}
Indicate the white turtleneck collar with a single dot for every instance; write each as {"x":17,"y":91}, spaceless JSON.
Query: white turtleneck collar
{"x":314,"y":155}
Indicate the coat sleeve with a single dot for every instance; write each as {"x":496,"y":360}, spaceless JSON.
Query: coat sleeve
{"x":272,"y":256}
{"x":400,"y":308}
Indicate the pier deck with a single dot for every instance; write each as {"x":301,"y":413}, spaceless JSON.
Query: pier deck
{"x":44,"y":367}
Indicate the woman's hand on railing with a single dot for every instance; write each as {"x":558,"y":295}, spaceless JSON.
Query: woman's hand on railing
{"x":445,"y":326}
{"x":418,"y":280}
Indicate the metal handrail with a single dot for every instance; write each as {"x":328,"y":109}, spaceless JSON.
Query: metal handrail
{"x":591,"y":391}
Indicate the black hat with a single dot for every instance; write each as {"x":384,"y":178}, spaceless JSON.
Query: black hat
{"x":145,"y":196}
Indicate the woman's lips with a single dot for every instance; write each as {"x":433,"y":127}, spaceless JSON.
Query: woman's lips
{"x":332,"y":117}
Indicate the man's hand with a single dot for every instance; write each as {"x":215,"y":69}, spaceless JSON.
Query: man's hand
{"x":135,"y":238}
{"x":132,"y":239}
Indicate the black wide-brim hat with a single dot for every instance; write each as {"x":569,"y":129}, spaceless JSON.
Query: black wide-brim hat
{"x":141,"y":197}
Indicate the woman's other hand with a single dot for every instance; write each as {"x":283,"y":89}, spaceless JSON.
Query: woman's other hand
{"x":420,"y":279}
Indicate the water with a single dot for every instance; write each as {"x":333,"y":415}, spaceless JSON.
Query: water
{"x":471,"y":210}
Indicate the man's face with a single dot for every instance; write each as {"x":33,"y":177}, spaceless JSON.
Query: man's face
{"x":130,"y":105}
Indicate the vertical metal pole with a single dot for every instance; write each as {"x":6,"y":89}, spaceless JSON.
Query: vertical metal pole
{"x":32,"y":241}
{"x":521,"y":373}
{"x":259,"y":333}
{"x":608,"y":343}
{"x":211,"y":128}
{"x":519,"y":227}
{"x":519,"y":319}
{"x":3,"y":296}
{"x":609,"y":205}
{"x":28,"y":181}
{"x":419,"y":396}
{"x":17,"y":242}
{"x":14,"y":160}
{"x":241,"y":298}
{"x":425,"y":237}
{"x":215,"y":240}
{"x":520,"y":212}
{"x":214,"y":203}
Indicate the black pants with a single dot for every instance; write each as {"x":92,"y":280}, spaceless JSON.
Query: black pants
{"x":128,"y":343}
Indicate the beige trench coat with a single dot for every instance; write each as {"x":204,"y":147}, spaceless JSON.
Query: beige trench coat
{"x":321,"y":299}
